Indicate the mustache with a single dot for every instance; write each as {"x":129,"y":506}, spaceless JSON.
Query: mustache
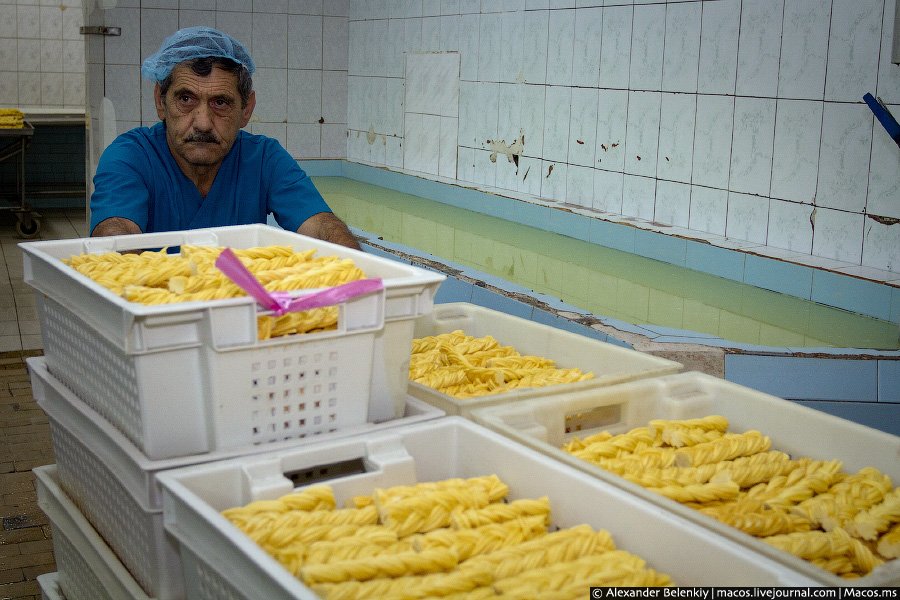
{"x":204,"y":137}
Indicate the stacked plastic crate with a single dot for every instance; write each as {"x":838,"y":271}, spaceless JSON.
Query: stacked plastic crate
{"x":133,"y":390}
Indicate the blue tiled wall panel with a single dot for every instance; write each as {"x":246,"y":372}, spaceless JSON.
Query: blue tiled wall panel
{"x":889,"y":380}
{"x":525,"y":213}
{"x":876,"y":415}
{"x":488,"y":299}
{"x":895,"y":305}
{"x":852,"y":294}
{"x":658,"y":246}
{"x":323,"y":168}
{"x":778,"y":276}
{"x":720,"y":262}
{"x":612,"y":235}
{"x":569,"y":224}
{"x":454,"y":290}
{"x":805,"y":378}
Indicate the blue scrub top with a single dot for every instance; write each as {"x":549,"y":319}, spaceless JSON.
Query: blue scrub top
{"x":137,"y":178}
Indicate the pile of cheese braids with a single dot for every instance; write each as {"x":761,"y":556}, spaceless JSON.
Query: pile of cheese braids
{"x":455,"y":538}
{"x":161,"y":278}
{"x":845,"y":523}
{"x":464,"y":366}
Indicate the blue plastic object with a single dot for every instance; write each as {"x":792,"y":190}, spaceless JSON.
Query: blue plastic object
{"x":190,"y":43}
{"x":884,"y":116}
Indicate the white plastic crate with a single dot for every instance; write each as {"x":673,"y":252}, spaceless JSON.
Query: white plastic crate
{"x":220,"y":561}
{"x":49,"y":585}
{"x":87,"y":568}
{"x":794,"y":429}
{"x":609,"y":363}
{"x":116,"y":486}
{"x":189,"y":378}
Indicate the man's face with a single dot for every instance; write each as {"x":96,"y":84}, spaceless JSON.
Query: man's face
{"x":203,"y":115}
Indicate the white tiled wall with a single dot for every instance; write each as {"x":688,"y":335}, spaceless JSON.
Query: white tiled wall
{"x":41,"y":54}
{"x":739,"y":118}
{"x":300,"y":48}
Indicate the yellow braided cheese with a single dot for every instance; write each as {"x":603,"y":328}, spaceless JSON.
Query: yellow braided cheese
{"x":889,"y":543}
{"x":432,"y":560}
{"x":867,"y":524}
{"x":430,"y":510}
{"x":707,"y":423}
{"x":497,"y":512}
{"x":410,"y":586}
{"x":728,"y":447}
{"x":819,"y":477}
{"x":466,"y":543}
{"x":596,"y":567}
{"x":350,"y":548}
{"x":699,"y":492}
{"x":812,"y":544}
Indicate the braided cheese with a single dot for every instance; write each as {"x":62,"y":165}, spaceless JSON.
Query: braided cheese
{"x":497,"y":512}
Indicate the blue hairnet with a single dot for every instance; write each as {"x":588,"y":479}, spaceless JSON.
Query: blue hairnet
{"x":190,"y":43}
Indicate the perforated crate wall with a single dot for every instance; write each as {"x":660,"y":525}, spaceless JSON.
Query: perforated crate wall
{"x":76,"y":578}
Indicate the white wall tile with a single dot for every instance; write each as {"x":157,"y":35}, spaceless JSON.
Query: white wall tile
{"x":431,"y":8}
{"x":301,"y":36}
{"x":73,"y":89}
{"x":888,"y":73}
{"x":557,"y":108}
{"x":884,"y":173}
{"x":638,"y":197}
{"x":450,"y":32}
{"x":529,"y":176}
{"x":123,"y":88}
{"x":125,"y":49}
{"x":51,"y":89}
{"x":789,"y":226}
{"x":304,"y":140}
{"x":583,"y":127}
{"x":9,"y":50}
{"x":580,"y":186}
{"x":51,"y":22}
{"x":647,"y":42}
{"x":751,"y":147}
{"x":393,"y":152}
{"x":608,"y":191}
{"x":586,"y":57}
{"x":844,"y":156}
{"x":719,"y":32}
{"x":465,"y":164}
{"x":469,"y":28}
{"x":853,"y":46}
{"x":489,"y":48}
{"x":673,"y":203}
{"x":804,"y":49}
{"x":238,"y":25}
{"x":612,"y":115}
{"x":447,"y":149}
{"x":29,"y":92}
{"x":9,"y":87}
{"x":197,"y":4}
{"x":271,"y":95}
{"x":712,"y":141}
{"x":881,"y":246}
{"x":392,"y":110}
{"x":709,"y":207}
{"x":468,"y":111}
{"x":682,"y":47}
{"x":193,"y":18}
{"x":304,"y":96}
{"x":334,"y":95}
{"x":335,"y":32}
{"x":28,"y":20}
{"x":534,"y":59}
{"x":531,"y":100}
{"x":553,"y":180}
{"x":512,"y":51}
{"x":72,"y":20}
{"x":759,"y":47}
{"x":421,"y":143}
{"x":432,"y":83}
{"x":8,"y":21}
{"x":278,"y":131}
{"x":795,"y":164}
{"x":747,"y":217}
{"x":676,"y":137}
{"x":51,"y":56}
{"x":485,"y":170}
{"x":838,"y":235}
{"x":270,"y":6}
{"x":486,"y":113}
{"x":560,"y":47}
{"x":615,"y":47}
{"x":642,"y":134}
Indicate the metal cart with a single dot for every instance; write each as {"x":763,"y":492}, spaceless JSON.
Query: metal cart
{"x":13,"y":143}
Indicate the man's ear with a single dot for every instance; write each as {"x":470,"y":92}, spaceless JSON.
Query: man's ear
{"x":247,"y":111}
{"x":160,"y":102}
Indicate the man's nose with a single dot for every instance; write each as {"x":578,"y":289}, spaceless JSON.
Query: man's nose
{"x":202,"y":117}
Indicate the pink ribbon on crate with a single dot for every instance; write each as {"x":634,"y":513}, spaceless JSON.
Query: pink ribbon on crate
{"x":283,"y":302}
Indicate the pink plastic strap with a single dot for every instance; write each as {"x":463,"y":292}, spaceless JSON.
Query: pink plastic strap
{"x":284,"y":302}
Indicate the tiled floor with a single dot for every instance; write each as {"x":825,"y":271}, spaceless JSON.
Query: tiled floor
{"x":26,"y":549}
{"x":19,"y":328}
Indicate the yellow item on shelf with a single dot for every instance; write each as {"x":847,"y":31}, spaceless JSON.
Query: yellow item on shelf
{"x":11,"y":118}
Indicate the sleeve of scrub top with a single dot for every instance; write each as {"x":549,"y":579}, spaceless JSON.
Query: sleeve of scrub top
{"x":292,"y":197}
{"x":120,"y":187}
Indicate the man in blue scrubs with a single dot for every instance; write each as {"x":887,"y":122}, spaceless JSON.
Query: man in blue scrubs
{"x":197,"y":168}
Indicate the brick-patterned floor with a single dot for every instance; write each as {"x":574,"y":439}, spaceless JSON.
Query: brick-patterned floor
{"x":26,"y":548}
